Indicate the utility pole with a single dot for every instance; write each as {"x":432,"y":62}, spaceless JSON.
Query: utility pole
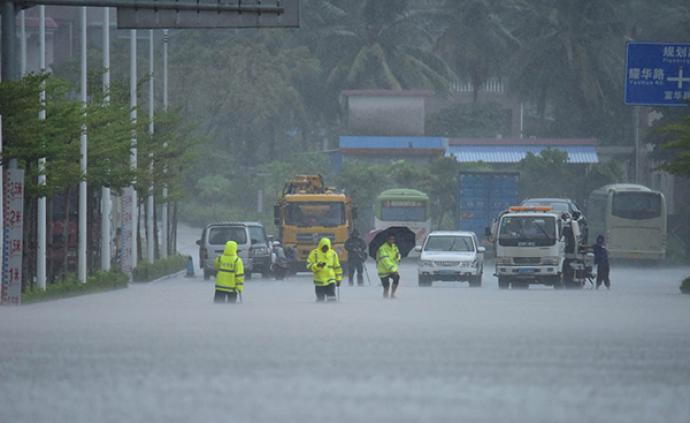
{"x":150,"y":206}
{"x":164,"y":206}
{"x":105,"y":190}
{"x":83,"y":161}
{"x":636,"y":130}
{"x":41,"y":229}
{"x":9,"y":32}
{"x":22,"y":43}
{"x":133,"y":145}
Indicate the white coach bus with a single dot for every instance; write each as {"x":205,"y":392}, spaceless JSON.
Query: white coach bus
{"x":632,"y":218}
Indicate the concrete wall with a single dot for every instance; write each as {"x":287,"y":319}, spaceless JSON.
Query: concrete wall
{"x":384,"y":115}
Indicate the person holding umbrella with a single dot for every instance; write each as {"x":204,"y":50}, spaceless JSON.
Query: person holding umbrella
{"x":387,"y":259}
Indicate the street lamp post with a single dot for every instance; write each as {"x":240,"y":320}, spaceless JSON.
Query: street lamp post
{"x":83,"y":152}
{"x":41,"y":227}
{"x":150,"y":206}
{"x":105,"y":190}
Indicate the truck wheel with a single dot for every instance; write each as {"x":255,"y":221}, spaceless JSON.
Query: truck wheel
{"x":558,"y":282}
{"x":503,"y":282}
{"x":424,"y":281}
{"x":207,"y":274}
{"x":476,"y":281}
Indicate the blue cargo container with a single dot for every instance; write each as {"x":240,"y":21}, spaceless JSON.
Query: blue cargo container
{"x":482,"y":196}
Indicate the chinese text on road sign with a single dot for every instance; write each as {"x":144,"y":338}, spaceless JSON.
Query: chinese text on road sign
{"x":657,"y":74}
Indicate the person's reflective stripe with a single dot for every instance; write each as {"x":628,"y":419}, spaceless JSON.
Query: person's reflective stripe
{"x":226,"y":271}
{"x":225,"y":288}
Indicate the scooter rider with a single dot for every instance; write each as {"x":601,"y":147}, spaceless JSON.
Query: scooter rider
{"x":279,"y":261}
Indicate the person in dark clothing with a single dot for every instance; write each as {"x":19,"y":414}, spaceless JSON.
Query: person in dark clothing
{"x":356,"y":255}
{"x":601,"y":259}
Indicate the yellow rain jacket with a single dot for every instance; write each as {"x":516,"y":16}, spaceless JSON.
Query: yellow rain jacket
{"x":230,"y":270}
{"x":387,"y":259}
{"x":330,"y":272}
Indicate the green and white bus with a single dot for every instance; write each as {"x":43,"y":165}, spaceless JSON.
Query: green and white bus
{"x":632,"y":218}
{"x":403,"y":207}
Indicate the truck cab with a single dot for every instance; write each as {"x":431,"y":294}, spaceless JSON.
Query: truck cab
{"x":309,"y":211}
{"x":530,"y":247}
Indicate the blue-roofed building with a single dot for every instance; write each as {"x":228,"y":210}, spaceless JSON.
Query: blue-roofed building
{"x":511,"y":151}
{"x":502,"y":152}
{"x":385,"y":149}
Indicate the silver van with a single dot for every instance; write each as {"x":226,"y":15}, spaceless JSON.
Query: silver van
{"x":252,"y":246}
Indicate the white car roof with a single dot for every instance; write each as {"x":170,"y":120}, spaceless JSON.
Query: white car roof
{"x":532,"y":214}
{"x":454,"y":233}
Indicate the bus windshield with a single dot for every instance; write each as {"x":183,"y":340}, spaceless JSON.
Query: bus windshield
{"x":403,"y":211}
{"x":636,"y":205}
{"x":307,"y":214}
{"x":527,"y":231}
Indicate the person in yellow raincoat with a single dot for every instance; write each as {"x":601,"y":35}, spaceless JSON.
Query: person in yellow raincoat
{"x":323,"y":262}
{"x":229,"y":274}
{"x":387,"y":259}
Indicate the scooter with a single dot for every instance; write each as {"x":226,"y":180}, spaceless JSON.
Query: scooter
{"x":280,"y":266}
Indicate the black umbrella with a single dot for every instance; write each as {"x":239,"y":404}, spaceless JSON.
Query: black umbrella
{"x":404,"y":238}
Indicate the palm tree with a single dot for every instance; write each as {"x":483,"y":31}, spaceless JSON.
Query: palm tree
{"x":571,"y":51}
{"x":378,"y":44}
{"x":475,"y":41}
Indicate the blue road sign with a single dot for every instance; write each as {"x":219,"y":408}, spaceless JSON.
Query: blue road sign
{"x":657,"y":74}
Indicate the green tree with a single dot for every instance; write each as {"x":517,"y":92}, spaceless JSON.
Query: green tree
{"x":244,"y":93}
{"x":475,"y":41}
{"x":363,"y":182}
{"x":569,"y":66}
{"x":378,"y":44}
{"x":677,"y":147}
{"x":469,"y":120}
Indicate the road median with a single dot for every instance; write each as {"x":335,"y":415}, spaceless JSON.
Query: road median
{"x":71,"y":287}
{"x":149,"y":272}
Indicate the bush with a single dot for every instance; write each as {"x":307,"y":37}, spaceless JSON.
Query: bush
{"x":70,"y":287}
{"x":685,"y":286}
{"x":147,"y":272}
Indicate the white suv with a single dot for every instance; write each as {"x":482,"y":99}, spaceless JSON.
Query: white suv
{"x":451,"y":256}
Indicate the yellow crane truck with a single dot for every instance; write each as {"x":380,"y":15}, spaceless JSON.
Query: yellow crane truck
{"x":308,"y":211}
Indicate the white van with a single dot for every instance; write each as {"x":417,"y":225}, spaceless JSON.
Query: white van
{"x":252,"y":246}
{"x":451,"y":256}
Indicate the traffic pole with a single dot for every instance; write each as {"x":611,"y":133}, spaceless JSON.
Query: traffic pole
{"x":106,"y":207}
{"x":83,"y":155}
{"x":151,"y":241}
{"x":164,"y":205}
{"x":9,"y":32}
{"x":133,"y":144}
{"x":41,"y":227}
{"x":22,"y":43}
{"x":2,"y":213}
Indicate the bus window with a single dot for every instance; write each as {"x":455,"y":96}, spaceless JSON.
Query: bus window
{"x":636,"y":205}
{"x":403,"y":211}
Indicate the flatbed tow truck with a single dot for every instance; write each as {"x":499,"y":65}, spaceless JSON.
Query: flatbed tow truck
{"x":536,"y":245}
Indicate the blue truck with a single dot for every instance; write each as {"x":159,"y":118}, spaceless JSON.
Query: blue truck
{"x":482,"y":196}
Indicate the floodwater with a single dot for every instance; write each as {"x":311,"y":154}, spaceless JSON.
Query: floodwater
{"x":162,"y":352}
